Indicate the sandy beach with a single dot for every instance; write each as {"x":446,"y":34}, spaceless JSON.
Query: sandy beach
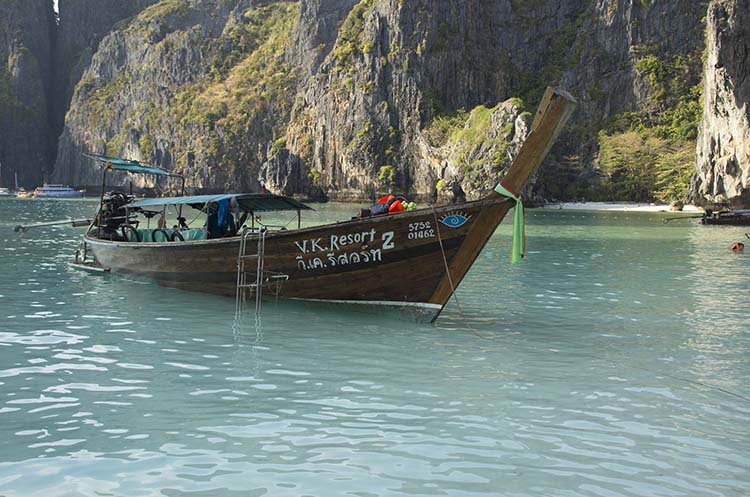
{"x":619,"y":206}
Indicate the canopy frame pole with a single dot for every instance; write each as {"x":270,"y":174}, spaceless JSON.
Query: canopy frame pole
{"x":101,"y":203}
{"x":127,"y":222}
{"x":205,"y":225}
{"x":182,"y":194}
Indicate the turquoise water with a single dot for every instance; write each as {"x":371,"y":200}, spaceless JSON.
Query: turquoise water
{"x":614,"y":361}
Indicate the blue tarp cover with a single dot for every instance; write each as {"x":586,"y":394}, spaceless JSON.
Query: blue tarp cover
{"x":131,"y":166}
{"x":254,"y":202}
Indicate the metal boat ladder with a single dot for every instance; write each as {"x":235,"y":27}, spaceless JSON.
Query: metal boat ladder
{"x":263,"y":278}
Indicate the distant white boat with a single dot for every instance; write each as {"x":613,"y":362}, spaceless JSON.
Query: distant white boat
{"x":57,"y":191}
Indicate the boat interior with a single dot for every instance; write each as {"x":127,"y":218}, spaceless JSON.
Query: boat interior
{"x":123,"y":218}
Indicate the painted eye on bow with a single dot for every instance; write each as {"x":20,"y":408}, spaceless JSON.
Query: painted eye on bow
{"x":454,"y":220}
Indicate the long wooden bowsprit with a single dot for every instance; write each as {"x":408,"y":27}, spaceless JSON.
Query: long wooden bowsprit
{"x":76,"y":223}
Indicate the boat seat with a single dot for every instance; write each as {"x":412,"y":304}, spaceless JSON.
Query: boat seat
{"x":193,"y":234}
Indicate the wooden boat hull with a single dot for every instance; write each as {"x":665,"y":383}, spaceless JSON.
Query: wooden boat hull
{"x":397,"y":261}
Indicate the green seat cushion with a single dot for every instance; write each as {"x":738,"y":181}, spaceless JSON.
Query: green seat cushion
{"x":193,"y":234}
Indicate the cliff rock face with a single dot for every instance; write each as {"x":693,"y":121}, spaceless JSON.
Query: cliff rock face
{"x":723,"y":151}
{"x":348,"y":99}
{"x":359,"y":123}
{"x":362,"y":123}
{"x":82,"y":25}
{"x":41,"y":62}
{"x":197,"y":85}
{"x":26,"y":41}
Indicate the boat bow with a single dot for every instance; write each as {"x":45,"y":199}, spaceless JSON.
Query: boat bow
{"x":554,"y":110}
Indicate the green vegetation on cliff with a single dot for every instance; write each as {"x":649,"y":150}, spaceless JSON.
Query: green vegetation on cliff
{"x":475,"y":136}
{"x":163,"y":9}
{"x":442,"y":126}
{"x":649,"y":155}
{"x":474,"y":145}
{"x":642,"y":166}
{"x":251,"y":90}
{"x":101,"y":101}
{"x":349,"y":44}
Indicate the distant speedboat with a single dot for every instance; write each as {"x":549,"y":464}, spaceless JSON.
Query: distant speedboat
{"x":57,"y":191}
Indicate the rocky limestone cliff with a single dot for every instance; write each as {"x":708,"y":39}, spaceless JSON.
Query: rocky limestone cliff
{"x":723,"y":151}
{"x":634,"y":66}
{"x":358,"y":125}
{"x":26,"y":41}
{"x":42,"y":61}
{"x":348,"y":99}
{"x":82,"y":25}
{"x":361,"y":124}
{"x":196,"y":85}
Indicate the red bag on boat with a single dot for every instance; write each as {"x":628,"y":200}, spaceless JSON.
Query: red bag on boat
{"x":396,"y":206}
{"x":385,"y":199}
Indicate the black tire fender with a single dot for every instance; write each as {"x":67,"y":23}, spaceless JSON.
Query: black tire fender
{"x":153,"y":235}
{"x":125,"y":228}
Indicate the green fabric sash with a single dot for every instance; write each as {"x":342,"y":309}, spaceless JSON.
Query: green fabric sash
{"x":519,"y":229}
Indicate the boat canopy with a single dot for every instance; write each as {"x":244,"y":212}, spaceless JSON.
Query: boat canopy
{"x":131,"y":166}
{"x":253,"y":202}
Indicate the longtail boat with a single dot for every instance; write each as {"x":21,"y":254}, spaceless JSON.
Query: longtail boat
{"x":410,"y":261}
{"x":736,"y":217}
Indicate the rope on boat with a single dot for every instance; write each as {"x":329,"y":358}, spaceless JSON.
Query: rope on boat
{"x":195,"y":218}
{"x":450,"y":280}
{"x":445,"y":262}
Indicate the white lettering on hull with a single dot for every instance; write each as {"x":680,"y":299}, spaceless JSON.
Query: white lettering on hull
{"x":421,"y":230}
{"x":343,"y":250}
